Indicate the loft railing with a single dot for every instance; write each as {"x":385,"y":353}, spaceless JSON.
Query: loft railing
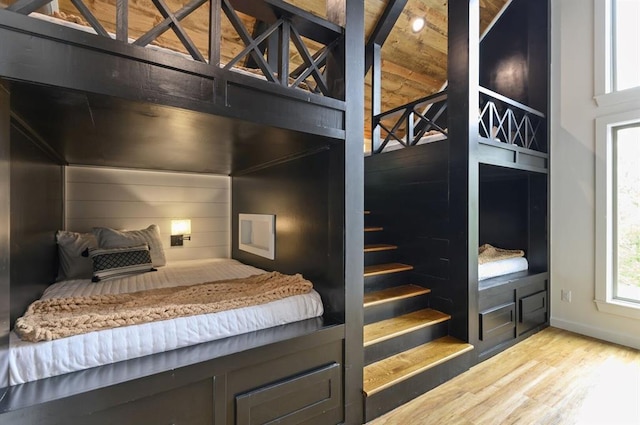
{"x":278,"y":27}
{"x":499,"y":118}
{"x":506,"y":120}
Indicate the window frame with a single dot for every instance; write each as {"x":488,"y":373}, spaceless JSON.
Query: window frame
{"x":605,"y":235}
{"x":605,"y":95}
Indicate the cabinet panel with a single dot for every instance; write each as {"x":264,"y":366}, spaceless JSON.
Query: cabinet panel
{"x":498,"y":323}
{"x":533,"y":311}
{"x":291,"y":401}
{"x":191,"y":404}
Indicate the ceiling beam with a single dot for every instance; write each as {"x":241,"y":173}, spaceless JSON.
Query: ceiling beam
{"x":383,"y":28}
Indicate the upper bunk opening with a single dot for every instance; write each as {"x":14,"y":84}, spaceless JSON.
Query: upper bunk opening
{"x":224,"y":57}
{"x":512,"y":86}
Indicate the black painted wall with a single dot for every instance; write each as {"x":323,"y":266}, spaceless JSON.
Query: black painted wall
{"x":514,"y":54}
{"x":36,"y":213}
{"x":407,"y":192}
{"x":5,"y":281}
{"x":307,"y":200}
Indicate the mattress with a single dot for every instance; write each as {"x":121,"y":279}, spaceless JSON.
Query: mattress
{"x":30,"y":361}
{"x":394,"y":145}
{"x":502,"y":267}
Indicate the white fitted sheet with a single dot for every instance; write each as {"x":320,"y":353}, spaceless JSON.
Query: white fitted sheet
{"x":394,"y":145}
{"x":502,"y":267}
{"x":30,"y":361}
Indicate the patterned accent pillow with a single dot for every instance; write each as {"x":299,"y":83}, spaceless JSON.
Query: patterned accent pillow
{"x":115,"y":262}
{"x":111,"y":238}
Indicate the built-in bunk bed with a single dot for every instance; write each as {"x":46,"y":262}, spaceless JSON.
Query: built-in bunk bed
{"x":283,"y":133}
{"x":459,"y":182}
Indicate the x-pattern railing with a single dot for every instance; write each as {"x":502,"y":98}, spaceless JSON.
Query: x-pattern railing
{"x":499,"y":118}
{"x":285,"y":27}
{"x":409,"y":123}
{"x":509,"y":121}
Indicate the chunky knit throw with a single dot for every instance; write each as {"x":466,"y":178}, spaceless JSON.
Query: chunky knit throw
{"x":55,"y":318}
{"x":488,"y":253}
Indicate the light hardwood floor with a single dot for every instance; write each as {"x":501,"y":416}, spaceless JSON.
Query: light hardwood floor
{"x":553,"y":377}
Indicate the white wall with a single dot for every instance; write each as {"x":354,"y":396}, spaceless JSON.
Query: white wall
{"x":573,"y":114}
{"x":133,"y":199}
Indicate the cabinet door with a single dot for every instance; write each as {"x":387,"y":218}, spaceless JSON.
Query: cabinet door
{"x":533,"y":311}
{"x":498,"y":324}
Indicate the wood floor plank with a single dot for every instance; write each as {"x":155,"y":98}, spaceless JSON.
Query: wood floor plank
{"x":553,"y":377}
{"x":379,"y":247}
{"x":387,"y":372}
{"x":396,"y":326}
{"x":378,"y":269}
{"x":393,"y":294}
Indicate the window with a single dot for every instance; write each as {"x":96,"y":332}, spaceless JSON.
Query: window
{"x":626,"y":212}
{"x":618,"y":213}
{"x":617,"y":51}
{"x":625,"y":44}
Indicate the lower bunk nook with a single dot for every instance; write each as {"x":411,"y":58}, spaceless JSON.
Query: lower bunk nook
{"x":69,"y":97}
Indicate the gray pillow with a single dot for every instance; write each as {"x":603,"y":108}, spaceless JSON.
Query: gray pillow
{"x":71,"y":245}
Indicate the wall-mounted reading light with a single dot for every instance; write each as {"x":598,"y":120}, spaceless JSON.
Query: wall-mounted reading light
{"x":180,"y":230}
{"x":417,"y":24}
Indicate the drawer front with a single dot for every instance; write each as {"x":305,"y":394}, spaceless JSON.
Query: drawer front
{"x":293,"y":400}
{"x":498,"y":323}
{"x":533,"y":311}
{"x":191,"y":404}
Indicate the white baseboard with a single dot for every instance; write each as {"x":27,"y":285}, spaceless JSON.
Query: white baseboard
{"x":603,"y":334}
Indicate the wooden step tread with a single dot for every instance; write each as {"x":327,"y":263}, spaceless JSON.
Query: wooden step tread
{"x":373,"y":229}
{"x":400,"y":325}
{"x":393,"y":294}
{"x":379,"y":247}
{"x":378,"y":269}
{"x":392,"y":370}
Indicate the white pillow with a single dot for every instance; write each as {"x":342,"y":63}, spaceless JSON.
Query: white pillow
{"x":111,"y":238}
{"x":71,"y":245}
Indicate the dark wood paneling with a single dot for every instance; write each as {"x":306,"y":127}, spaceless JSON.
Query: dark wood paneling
{"x":504,"y":214}
{"x":463,"y":72}
{"x":353,"y":204}
{"x":297,"y":193}
{"x":514,"y":56}
{"x":92,"y":129}
{"x":36,"y":213}
{"x":5,"y":278}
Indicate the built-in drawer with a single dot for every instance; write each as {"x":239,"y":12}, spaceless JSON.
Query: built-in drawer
{"x":498,"y":323}
{"x":291,"y":401}
{"x":533,"y":311}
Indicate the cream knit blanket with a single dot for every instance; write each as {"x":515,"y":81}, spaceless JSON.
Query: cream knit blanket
{"x":488,"y":253}
{"x":55,"y":318}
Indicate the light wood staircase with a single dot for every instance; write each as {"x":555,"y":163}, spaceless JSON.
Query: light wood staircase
{"x":406,"y":343}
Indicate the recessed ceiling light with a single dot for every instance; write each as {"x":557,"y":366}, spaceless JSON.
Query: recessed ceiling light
{"x":417,"y":24}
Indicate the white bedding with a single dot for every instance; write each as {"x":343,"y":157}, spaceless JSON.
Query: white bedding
{"x":394,"y":145}
{"x":31,"y":361}
{"x":502,"y":267}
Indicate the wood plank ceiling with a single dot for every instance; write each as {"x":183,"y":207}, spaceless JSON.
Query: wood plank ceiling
{"x":413,"y":64}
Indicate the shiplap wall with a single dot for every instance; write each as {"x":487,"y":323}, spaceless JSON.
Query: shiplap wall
{"x":133,"y":199}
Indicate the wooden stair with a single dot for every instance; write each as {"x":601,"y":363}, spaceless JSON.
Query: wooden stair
{"x":379,"y":269}
{"x":393,"y":294}
{"x":406,"y":344}
{"x":400,"y":325}
{"x":392,"y":370}
{"x":377,"y":247}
